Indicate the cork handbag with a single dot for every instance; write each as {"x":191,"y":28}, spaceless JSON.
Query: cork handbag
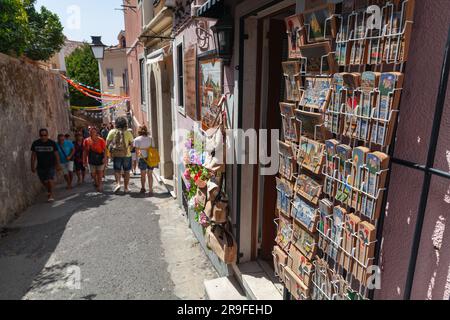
{"x":222,"y":243}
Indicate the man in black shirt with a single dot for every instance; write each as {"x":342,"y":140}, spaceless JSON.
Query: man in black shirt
{"x":45,"y":153}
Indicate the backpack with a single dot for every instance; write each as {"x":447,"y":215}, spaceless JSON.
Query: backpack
{"x":118,"y":147}
{"x":153,"y":157}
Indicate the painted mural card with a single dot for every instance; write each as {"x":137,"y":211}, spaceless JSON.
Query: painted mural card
{"x":322,"y":89}
{"x":290,"y":128}
{"x":304,"y":213}
{"x":280,"y":260}
{"x":336,"y":233}
{"x":308,"y":188}
{"x":344,"y":154}
{"x":286,"y":168}
{"x":351,"y":222}
{"x":374,"y":181}
{"x":319,"y":58}
{"x":369,"y":82}
{"x":210,"y":91}
{"x":320,"y":23}
{"x":295,"y":285}
{"x":329,"y":187}
{"x":301,"y":266}
{"x":324,"y":225}
{"x":365,"y":248}
{"x":296,"y":35}
{"x":304,"y":241}
{"x":308,"y":98}
{"x":284,"y":196}
{"x":284,"y":232}
{"x":293,"y":80}
{"x":357,"y":175}
{"x":310,"y":155}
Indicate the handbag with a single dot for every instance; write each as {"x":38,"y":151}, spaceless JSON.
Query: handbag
{"x":216,"y":207}
{"x":222,"y":243}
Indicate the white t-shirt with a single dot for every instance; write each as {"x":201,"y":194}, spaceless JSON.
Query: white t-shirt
{"x":143,"y":142}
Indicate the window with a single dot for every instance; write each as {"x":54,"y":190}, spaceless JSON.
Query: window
{"x":142,"y":77}
{"x":110,"y":77}
{"x":180,"y":76}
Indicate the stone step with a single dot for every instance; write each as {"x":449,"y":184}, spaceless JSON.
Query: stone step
{"x":225,"y":288}
{"x":258,"y":285}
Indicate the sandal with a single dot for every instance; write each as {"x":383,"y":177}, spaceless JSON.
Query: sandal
{"x":143,"y":190}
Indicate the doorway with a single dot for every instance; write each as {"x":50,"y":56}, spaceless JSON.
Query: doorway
{"x":274,"y":48}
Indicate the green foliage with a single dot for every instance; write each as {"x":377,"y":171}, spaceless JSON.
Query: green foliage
{"x":23,"y":30}
{"x":14,"y":29}
{"x":46,"y":33}
{"x":83,"y":67}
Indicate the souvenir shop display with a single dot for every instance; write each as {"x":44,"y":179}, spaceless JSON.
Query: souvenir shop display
{"x":344,"y":81}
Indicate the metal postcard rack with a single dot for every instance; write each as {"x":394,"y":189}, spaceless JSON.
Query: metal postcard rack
{"x":384,"y":50}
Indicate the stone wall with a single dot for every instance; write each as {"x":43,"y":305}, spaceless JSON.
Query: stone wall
{"x":30,"y":99}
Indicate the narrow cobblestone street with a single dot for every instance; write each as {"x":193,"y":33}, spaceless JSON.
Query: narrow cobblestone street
{"x":121,"y":246}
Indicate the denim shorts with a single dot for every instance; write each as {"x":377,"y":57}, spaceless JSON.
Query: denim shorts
{"x":46,"y":174}
{"x":143,"y":166}
{"x":122,"y":163}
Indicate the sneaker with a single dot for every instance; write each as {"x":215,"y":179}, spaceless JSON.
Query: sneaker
{"x":143,"y":190}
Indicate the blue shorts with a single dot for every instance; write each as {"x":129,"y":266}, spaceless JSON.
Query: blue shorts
{"x":122,"y":164}
{"x":143,"y":166}
{"x":47,"y":174}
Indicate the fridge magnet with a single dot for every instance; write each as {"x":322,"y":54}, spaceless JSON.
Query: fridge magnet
{"x":290,"y":128}
{"x":310,"y":155}
{"x":304,"y":213}
{"x":293,"y":83}
{"x":308,"y":188}
{"x":304,"y":241}
{"x":300,"y":265}
{"x":296,"y":35}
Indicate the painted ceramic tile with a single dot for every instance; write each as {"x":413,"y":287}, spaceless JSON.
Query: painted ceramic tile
{"x":308,"y":188}
{"x":290,"y":128}
{"x":293,"y":82}
{"x":304,"y":213}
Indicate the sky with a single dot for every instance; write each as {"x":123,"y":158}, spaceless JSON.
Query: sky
{"x":85,"y":18}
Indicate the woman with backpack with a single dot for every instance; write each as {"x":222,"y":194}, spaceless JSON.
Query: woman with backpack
{"x":94,"y":155}
{"x":142,"y":144}
{"x":119,"y":142}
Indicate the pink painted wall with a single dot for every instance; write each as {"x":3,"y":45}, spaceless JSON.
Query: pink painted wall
{"x":432,"y":277}
{"x":133,"y":28}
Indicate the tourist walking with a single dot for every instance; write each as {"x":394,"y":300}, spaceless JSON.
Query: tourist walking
{"x":94,"y":155}
{"x":45,"y":161}
{"x":119,"y":143}
{"x":104,"y":132}
{"x":66,"y":150}
{"x":80,"y":169}
{"x":142,"y":143}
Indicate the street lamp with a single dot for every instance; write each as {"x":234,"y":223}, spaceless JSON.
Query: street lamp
{"x":223,"y":38}
{"x":97,"y":47}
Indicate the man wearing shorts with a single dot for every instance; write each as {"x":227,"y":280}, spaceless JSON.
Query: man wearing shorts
{"x":119,"y":143}
{"x":45,"y":152}
{"x":66,"y":150}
